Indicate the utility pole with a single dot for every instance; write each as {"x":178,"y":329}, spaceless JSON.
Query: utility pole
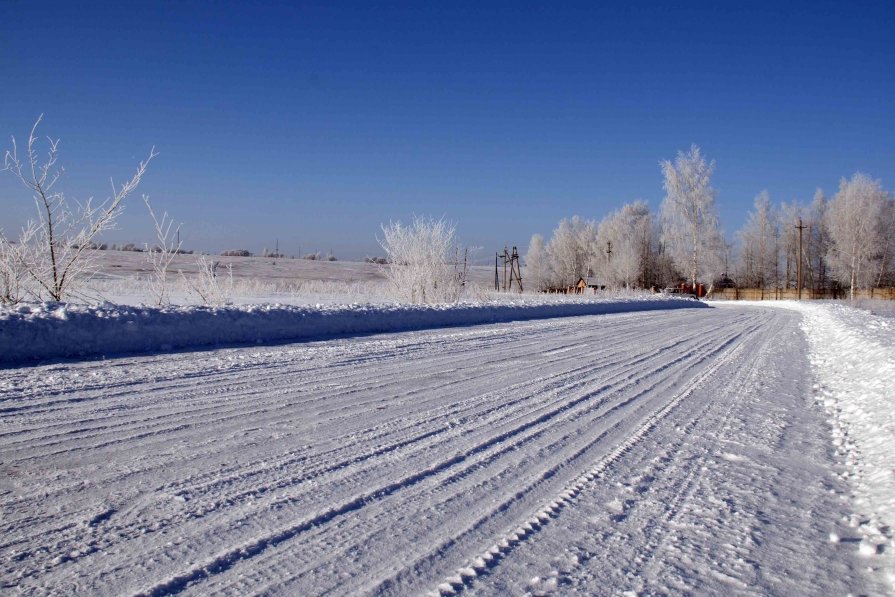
{"x":506,"y":259}
{"x":514,"y":276}
{"x":800,"y":227}
{"x":515,"y":271}
{"x":609,"y":250}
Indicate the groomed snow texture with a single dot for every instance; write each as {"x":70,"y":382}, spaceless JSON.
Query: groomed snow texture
{"x":673,"y":451}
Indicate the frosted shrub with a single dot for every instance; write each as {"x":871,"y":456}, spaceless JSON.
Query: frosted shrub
{"x":12,"y":272}
{"x":211,"y":285}
{"x":161,"y":255}
{"x":425,"y":265}
{"x":56,"y":247}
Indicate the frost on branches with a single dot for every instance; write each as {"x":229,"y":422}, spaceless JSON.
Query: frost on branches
{"x":425,"y":265}
{"x":690,"y":228}
{"x":858,"y":220}
{"x":53,"y":255}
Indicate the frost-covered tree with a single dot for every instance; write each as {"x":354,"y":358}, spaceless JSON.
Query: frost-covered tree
{"x":818,"y":242}
{"x":887,"y":263}
{"x":536,"y":262}
{"x":12,"y":271}
{"x":789,"y":216}
{"x":55,"y":248}
{"x":570,"y":250}
{"x":661,"y":269}
{"x":627,"y":231}
{"x":854,"y":220}
{"x":759,"y":244}
{"x":425,"y":265}
{"x":886,"y":256}
{"x":655,"y":265}
{"x":690,"y":229}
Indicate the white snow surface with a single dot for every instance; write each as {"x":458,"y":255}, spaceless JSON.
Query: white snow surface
{"x":674,"y":451}
{"x":40,"y":331}
{"x":853,"y":355}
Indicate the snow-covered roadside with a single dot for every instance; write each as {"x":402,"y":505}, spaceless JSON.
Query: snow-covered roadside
{"x":393,"y":463}
{"x":31,"y":332}
{"x":852,"y":354}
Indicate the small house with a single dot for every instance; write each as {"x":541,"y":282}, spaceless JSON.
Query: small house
{"x":588,"y":285}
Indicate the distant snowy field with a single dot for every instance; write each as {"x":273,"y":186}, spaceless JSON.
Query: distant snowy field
{"x":123,"y":279}
{"x":506,"y":445}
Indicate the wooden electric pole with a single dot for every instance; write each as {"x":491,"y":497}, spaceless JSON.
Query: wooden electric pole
{"x":512,"y":274}
{"x":800,"y":227}
{"x":515,"y":271}
{"x":506,"y":260}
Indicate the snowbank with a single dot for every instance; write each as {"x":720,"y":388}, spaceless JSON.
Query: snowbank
{"x":852,"y":353}
{"x":33,"y":332}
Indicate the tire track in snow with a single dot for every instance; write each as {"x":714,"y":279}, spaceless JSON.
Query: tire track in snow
{"x":504,"y":544}
{"x":540,"y":339}
{"x":201,"y":414}
{"x":680,"y":514}
{"x":231,"y":557}
{"x":518,"y":493}
{"x":226,"y":560}
{"x":212,"y":405}
{"x":681,"y":493}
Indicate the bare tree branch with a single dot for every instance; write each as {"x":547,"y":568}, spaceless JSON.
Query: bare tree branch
{"x":56,"y":256}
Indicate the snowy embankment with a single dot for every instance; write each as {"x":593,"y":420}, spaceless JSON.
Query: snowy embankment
{"x":853,"y":357}
{"x":33,"y":332}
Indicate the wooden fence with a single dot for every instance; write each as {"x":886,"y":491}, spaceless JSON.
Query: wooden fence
{"x":771,"y":294}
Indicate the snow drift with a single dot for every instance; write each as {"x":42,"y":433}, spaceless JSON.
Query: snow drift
{"x":33,"y":332}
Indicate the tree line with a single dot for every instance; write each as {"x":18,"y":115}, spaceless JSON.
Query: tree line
{"x":846,"y":241}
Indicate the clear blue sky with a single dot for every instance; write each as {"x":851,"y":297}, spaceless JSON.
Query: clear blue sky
{"x":314,"y":123}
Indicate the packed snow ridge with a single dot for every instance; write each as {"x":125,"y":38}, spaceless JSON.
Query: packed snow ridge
{"x":41,"y":331}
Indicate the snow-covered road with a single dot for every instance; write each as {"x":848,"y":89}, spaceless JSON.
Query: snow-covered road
{"x":653,"y":452}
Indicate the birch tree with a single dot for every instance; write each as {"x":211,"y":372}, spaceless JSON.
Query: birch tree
{"x":788,"y":217}
{"x":758,"y":246}
{"x":690,"y":230}
{"x":886,"y":255}
{"x":818,"y":241}
{"x":570,"y":250}
{"x":853,"y":219}
{"x":536,"y":261}
{"x":627,"y":230}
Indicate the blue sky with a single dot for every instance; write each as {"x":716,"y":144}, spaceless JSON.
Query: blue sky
{"x":312,"y":123}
